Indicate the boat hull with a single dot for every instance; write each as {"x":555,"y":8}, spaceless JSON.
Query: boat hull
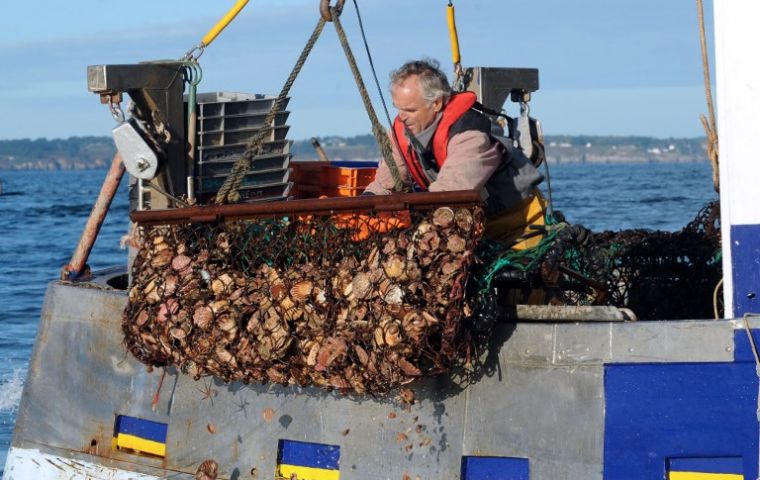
{"x":557,"y":400}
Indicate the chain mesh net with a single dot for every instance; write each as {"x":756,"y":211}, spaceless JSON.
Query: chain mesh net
{"x":356,"y":302}
{"x":658,"y":275}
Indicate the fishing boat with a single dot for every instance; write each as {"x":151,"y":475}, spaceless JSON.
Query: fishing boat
{"x":579,"y":394}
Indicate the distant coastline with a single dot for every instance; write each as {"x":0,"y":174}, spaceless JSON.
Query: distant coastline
{"x":78,"y":153}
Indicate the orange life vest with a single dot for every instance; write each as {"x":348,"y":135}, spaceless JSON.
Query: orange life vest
{"x":455,"y":108}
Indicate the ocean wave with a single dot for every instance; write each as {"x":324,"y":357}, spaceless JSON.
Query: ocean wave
{"x":10,"y":391}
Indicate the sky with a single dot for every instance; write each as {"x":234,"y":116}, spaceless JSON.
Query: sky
{"x":617,"y":67}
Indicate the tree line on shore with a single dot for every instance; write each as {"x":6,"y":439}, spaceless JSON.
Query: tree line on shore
{"x":96,"y":152}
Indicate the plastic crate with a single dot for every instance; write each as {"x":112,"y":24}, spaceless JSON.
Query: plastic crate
{"x":238,"y":122}
{"x":234,"y":137}
{"x":216,"y":104}
{"x":261,"y":163}
{"x":329,"y":175}
{"x":227,"y":152}
{"x":280,"y":191}
{"x":316,"y":191}
{"x":254,"y":179}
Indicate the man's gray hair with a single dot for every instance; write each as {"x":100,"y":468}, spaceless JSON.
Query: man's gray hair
{"x":433,"y":81}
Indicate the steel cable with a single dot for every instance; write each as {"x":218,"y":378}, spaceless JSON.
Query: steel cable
{"x":377,"y":129}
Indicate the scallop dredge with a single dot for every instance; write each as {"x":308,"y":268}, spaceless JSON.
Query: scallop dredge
{"x":356,"y":302}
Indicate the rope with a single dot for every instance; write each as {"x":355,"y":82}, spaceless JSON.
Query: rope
{"x":711,"y":129}
{"x":715,"y":299}
{"x":377,"y":129}
{"x":229,"y":190}
{"x":752,"y":339}
{"x":524,"y":260}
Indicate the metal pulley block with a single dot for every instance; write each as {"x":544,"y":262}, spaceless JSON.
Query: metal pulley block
{"x":529,"y":136}
{"x":523,"y":134}
{"x":139,"y":159}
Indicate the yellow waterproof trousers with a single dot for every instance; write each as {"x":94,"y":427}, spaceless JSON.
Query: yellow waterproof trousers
{"x":514,"y":226}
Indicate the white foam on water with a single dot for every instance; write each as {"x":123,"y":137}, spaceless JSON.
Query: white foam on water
{"x":10,"y":390}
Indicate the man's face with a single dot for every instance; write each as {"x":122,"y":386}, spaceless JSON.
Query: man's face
{"x":413,"y":110}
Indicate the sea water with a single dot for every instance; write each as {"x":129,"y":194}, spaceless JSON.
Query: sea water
{"x":42,"y":215}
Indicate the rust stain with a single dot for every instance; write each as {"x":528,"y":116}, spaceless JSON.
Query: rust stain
{"x":267,"y":414}
{"x":235,"y":451}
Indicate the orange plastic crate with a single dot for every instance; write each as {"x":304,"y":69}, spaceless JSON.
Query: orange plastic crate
{"x":324,"y":174}
{"x":316,"y":191}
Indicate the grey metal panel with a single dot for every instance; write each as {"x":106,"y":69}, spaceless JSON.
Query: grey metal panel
{"x":552,"y":416}
{"x":528,"y":343}
{"x":80,"y":376}
{"x":541,"y":399}
{"x":493,"y":85}
{"x":121,"y":78}
{"x":566,"y":313}
{"x":633,"y":342}
{"x":582,"y":344}
{"x":244,"y":439}
{"x":683,"y":341}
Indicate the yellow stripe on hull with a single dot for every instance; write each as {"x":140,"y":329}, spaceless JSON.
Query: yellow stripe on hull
{"x":308,"y":473}
{"x":704,"y":476}
{"x":138,"y":444}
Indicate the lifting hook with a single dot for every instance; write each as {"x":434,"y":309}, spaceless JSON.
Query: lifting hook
{"x":324,"y":9}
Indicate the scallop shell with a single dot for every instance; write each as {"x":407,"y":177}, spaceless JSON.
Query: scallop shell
{"x":394,"y":266}
{"x":272,"y":348}
{"x":180,"y":262}
{"x":223,"y":242}
{"x":449,"y":268}
{"x":320,"y":297}
{"x":220,"y":306}
{"x":278,"y":290}
{"x":389,"y":246}
{"x":142,"y":318}
{"x":293,"y":314}
{"x":406,"y":395}
{"x":170,"y":285}
{"x":287,"y":303}
{"x":394,"y":295}
{"x":413,"y":271}
{"x":226,"y":323}
{"x":456,"y":244}
{"x":392,"y":335}
{"x":429,"y":241}
{"x":331,"y":350}
{"x":387,"y":334}
{"x":361,"y":354}
{"x":166,"y":309}
{"x":413,"y":323}
{"x":373,"y":259}
{"x":358,"y":313}
{"x":361,"y":285}
{"x":301,"y":290}
{"x":161,"y":258}
{"x":311,"y":359}
{"x":463,"y":219}
{"x":443,"y":217}
{"x":408,"y":368}
{"x":151,"y":292}
{"x":178,"y":333}
{"x":221,"y":283}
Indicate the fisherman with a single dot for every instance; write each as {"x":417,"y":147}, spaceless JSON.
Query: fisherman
{"x":442,"y":142}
